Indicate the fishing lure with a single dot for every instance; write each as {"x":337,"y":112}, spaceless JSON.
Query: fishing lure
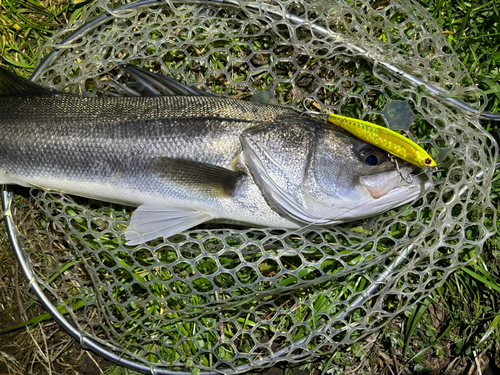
{"x":386,"y":139}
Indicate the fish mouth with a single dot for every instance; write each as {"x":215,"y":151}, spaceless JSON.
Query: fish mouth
{"x":379,"y":185}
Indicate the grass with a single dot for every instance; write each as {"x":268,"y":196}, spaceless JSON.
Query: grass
{"x":454,"y":330}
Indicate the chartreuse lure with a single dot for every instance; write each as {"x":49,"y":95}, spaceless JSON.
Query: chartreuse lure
{"x":385,"y":139}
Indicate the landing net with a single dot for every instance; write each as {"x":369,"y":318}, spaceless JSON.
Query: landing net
{"x":227,"y":298}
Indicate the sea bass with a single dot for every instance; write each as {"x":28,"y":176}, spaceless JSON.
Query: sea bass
{"x":184,"y":160}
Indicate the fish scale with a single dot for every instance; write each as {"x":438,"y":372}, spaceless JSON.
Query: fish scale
{"x":177,"y":131}
{"x":183,"y":160}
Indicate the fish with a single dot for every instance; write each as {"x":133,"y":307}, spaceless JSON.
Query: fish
{"x":186,"y":159}
{"x":386,"y":139}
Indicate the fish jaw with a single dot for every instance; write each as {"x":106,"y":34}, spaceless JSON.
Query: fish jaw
{"x":374,"y":195}
{"x":380,"y":184}
{"x":396,"y":192}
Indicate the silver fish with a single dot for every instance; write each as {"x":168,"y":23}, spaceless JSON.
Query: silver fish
{"x":183,"y":160}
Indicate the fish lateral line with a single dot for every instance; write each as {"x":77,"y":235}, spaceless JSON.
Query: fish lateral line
{"x":385,"y":139}
{"x":259,"y":173}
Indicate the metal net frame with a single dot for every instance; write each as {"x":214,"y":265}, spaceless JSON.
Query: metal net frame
{"x":225,"y":299}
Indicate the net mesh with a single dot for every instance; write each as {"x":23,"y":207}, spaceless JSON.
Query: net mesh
{"x":227,"y":298}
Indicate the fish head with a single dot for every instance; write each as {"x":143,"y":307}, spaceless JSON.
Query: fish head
{"x":311,"y":173}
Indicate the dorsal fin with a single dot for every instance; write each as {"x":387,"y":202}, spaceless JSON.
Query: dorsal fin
{"x":156,"y":84}
{"x":265,"y":97}
{"x":12,"y":84}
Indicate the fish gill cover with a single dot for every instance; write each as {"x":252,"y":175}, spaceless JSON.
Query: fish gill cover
{"x":225,"y":298}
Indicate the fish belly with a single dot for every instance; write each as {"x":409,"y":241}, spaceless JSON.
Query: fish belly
{"x":247,"y":205}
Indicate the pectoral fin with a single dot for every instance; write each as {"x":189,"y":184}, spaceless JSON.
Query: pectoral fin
{"x":205,"y":179}
{"x":149,"y":222}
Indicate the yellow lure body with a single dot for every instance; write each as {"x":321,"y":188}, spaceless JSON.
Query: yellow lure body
{"x":385,"y":139}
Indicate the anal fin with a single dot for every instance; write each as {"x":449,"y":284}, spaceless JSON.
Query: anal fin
{"x":149,"y":222}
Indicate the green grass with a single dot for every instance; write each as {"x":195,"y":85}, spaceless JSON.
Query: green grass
{"x":473,"y":32}
{"x":460,"y":319}
{"x":26,"y":25}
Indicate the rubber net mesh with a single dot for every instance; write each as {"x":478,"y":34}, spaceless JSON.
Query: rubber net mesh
{"x":226,"y":298}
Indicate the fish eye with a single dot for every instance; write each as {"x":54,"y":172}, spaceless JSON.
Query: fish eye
{"x":372,"y":156}
{"x":371,"y":159}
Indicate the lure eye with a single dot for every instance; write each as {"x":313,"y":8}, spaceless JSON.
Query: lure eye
{"x":428,"y":161}
{"x":371,"y":155}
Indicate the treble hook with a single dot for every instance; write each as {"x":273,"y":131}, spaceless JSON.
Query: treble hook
{"x":408,"y":178}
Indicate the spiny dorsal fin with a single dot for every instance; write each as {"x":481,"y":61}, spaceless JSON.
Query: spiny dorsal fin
{"x":264,"y":97}
{"x":156,"y":84}
{"x":12,"y":84}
